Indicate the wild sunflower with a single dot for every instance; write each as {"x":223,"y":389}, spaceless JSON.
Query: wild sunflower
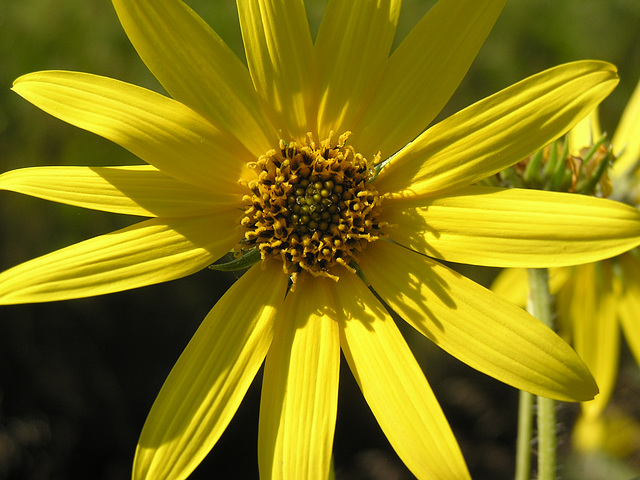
{"x":596,"y":301}
{"x":313,"y":160}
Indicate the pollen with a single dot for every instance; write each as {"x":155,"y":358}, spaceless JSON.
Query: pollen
{"x":313,"y":207}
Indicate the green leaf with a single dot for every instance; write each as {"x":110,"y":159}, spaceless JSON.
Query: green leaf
{"x":245,"y":261}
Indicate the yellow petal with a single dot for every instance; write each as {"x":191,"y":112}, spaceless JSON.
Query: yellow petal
{"x":209,"y":380}
{"x":481,"y":329}
{"x":498,"y":131}
{"x":563,"y":301}
{"x":352,"y":47}
{"x":395,"y":387}
{"x":149,"y":252}
{"x":607,"y":441}
{"x":513,"y":283}
{"x":514,"y":228}
{"x":629,"y":303}
{"x":132,"y":190}
{"x":595,"y":331}
{"x":627,"y":136}
{"x":159,"y":130}
{"x":280,"y":56}
{"x":300,"y":386}
{"x":196,"y":67}
{"x":585,"y":133}
{"x":423,"y":72}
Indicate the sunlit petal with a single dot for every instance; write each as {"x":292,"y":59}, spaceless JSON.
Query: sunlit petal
{"x":150,"y":252}
{"x":515,"y":228}
{"x":352,"y":47}
{"x":159,"y":130}
{"x":595,"y":331}
{"x":132,"y":190}
{"x":629,"y":303}
{"x":627,"y":136}
{"x":207,"y":384}
{"x":395,"y":387}
{"x":481,"y":329}
{"x":513,"y":283}
{"x":498,"y":131}
{"x":585,"y":133}
{"x":300,"y":386}
{"x":423,"y":72}
{"x":196,"y":67}
{"x":279,"y":52}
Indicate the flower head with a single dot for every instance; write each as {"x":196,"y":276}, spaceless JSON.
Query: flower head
{"x":259,"y":159}
{"x":596,"y":301}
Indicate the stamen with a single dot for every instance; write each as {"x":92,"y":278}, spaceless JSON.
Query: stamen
{"x":313,"y":208}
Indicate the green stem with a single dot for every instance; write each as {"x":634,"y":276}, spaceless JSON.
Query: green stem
{"x":540,"y":306}
{"x":546,"y":438}
{"x":523,"y":443}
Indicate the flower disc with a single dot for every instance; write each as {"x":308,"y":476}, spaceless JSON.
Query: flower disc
{"x":312,"y":207}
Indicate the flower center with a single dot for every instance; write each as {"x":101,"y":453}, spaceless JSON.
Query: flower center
{"x":312,"y":207}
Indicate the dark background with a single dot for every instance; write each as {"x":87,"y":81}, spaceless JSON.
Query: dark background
{"x":77,"y":378}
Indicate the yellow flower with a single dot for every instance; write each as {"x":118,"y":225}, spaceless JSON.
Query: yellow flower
{"x":595,"y":301}
{"x":233,"y":153}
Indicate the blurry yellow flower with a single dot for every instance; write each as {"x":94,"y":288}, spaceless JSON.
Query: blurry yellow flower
{"x":260,"y":158}
{"x":596,"y":300}
{"x":614,"y":432}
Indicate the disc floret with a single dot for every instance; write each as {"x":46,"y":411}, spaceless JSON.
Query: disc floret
{"x":312,"y":206}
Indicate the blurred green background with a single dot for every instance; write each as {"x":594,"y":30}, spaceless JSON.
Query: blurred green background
{"x":78,"y":377}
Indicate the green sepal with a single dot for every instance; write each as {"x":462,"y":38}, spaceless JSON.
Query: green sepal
{"x":561,"y":175}
{"x":359,"y":272}
{"x":553,"y":160}
{"x":531,"y":172}
{"x":588,"y":185}
{"x":247,"y":260}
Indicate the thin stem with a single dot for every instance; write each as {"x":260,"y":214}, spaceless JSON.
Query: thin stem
{"x":523,"y":443}
{"x":541,"y":307}
{"x":546,"y":438}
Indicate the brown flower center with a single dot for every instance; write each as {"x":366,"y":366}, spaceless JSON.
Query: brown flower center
{"x":312,"y":207}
